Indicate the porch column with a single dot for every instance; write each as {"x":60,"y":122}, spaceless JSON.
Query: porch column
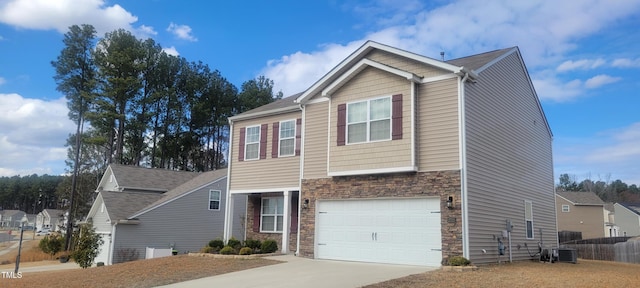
{"x":286,"y":221}
{"x":228,"y":217}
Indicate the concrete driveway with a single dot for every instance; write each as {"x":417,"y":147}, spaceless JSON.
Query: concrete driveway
{"x":309,"y":273}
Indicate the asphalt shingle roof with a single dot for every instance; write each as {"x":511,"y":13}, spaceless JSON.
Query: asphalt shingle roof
{"x":120,"y":205}
{"x":634,"y":207}
{"x":201,"y":180}
{"x":151,"y":178}
{"x":582,"y":198}
{"x":475,"y":62}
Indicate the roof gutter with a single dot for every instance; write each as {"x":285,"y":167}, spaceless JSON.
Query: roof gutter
{"x":128,"y":221}
{"x":264,"y":113}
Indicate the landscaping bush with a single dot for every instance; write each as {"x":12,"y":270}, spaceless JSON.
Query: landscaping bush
{"x":269,"y":246}
{"x":245,"y":251}
{"x":216,"y":243}
{"x":51,"y":244}
{"x":235,"y":243}
{"x":227,"y":250}
{"x":253,"y":244}
{"x":208,"y":249}
{"x":458,"y":261}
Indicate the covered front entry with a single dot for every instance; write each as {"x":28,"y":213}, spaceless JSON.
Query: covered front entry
{"x":394,"y":231}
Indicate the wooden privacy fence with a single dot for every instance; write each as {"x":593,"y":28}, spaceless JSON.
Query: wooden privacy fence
{"x":628,"y":251}
{"x":604,"y":248}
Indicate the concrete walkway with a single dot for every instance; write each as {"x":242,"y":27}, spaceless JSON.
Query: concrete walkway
{"x":308,"y":273}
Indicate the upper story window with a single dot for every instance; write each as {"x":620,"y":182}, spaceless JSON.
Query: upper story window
{"x":369,"y":120}
{"x":252,"y":143}
{"x":287,"y":138}
{"x":214,"y":199}
{"x":565,"y":208}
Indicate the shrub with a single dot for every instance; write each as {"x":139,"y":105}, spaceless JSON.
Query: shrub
{"x":208,"y":249}
{"x":235,"y":243}
{"x":246,"y":251}
{"x":227,"y":250}
{"x":51,"y":244}
{"x":253,"y":244}
{"x":458,"y":261}
{"x":269,"y":246}
{"x":216,"y":243}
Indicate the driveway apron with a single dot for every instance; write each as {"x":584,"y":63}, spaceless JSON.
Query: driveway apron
{"x":303,"y":272}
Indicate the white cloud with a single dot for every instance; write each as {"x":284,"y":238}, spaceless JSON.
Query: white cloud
{"x":60,"y":14}
{"x":584,"y":64}
{"x":545,"y":30}
{"x":171,"y":51}
{"x":614,"y":152}
{"x":33,"y":133}
{"x":600,"y":80}
{"x":626,"y":63}
{"x":181,"y":31}
{"x":146,"y":30}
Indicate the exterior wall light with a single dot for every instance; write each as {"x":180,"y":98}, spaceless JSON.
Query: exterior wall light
{"x":450,"y":202}
{"x":305,"y":203}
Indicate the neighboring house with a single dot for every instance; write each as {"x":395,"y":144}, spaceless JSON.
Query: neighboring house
{"x":124,"y":178}
{"x":11,"y":218}
{"x":365,"y":163}
{"x":628,"y":219}
{"x":29,"y":220}
{"x":50,"y":218}
{"x":611,"y":229}
{"x":184,"y":218}
{"x":581,"y":212}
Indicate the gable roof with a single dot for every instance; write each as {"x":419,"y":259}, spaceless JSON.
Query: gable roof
{"x":479,"y":61}
{"x":202,"y":180}
{"x":287,"y":104}
{"x":53,"y":213}
{"x":582,"y":198}
{"x":119,"y":205}
{"x":361,"y":52}
{"x":633,"y":207}
{"x":10,"y":213}
{"x":140,"y":178}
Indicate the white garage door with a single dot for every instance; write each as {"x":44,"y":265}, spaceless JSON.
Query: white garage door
{"x":396,"y":231}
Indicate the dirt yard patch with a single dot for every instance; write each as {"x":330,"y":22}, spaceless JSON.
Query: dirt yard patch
{"x":141,"y":273}
{"x":586,"y":273}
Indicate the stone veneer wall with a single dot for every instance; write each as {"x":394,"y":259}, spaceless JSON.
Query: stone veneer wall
{"x":293,"y":237}
{"x":439,"y":183}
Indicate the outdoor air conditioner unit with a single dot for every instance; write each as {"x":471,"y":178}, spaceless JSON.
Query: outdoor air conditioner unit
{"x":567,"y":255}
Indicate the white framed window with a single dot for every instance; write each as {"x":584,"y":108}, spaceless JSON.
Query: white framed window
{"x":287,"y":139}
{"x":214,"y":199}
{"x":528,"y":219}
{"x":252,"y":143}
{"x":369,"y":120}
{"x":565,"y":208}
{"x":271,"y":214}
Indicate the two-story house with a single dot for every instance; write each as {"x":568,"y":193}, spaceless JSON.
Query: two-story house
{"x":394,"y":157}
{"x":628,"y":218}
{"x":581,"y":212}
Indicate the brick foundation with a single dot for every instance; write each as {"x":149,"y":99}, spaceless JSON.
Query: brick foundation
{"x":440,"y":183}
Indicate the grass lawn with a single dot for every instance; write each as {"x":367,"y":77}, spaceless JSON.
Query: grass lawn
{"x":586,"y":273}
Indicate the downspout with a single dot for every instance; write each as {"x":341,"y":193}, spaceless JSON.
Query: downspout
{"x":463,"y":169}
{"x":300,"y":179}
{"x":228,"y":217}
{"x":413,"y":126}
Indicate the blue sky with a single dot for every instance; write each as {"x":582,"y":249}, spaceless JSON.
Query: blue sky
{"x":582,"y":56}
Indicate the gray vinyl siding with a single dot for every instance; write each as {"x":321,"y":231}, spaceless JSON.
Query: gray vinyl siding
{"x":174,"y":222}
{"x":101,"y":220}
{"x":627,"y":220}
{"x":509,"y":160}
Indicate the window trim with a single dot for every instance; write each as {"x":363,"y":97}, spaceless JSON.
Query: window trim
{"x":566,"y":206}
{"x":219,"y":199}
{"x":528,"y":205}
{"x":247,"y":143}
{"x":369,"y":120}
{"x":275,"y":216}
{"x":293,"y":153}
